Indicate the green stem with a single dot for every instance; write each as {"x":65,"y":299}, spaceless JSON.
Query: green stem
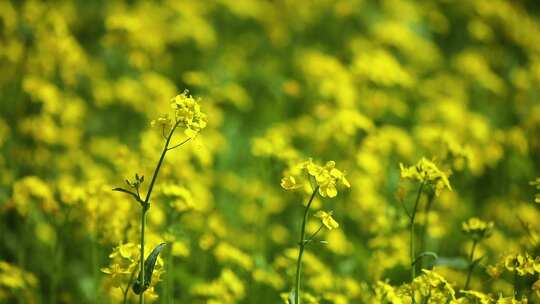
{"x":310,"y":239}
{"x":146,"y":206}
{"x":471,"y":265}
{"x":143,"y":225}
{"x":423,"y":240}
{"x":515,"y":284}
{"x":158,"y":166}
{"x":170,"y":285}
{"x":302,"y":244}
{"x":411,"y":224}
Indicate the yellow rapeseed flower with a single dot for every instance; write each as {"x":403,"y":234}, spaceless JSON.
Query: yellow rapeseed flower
{"x":426,"y":172}
{"x":326,"y":177}
{"x":477,"y":228}
{"x":188,"y":112}
{"x":522,"y":264}
{"x":289,"y":183}
{"x":163,"y":121}
{"x":327,"y":219}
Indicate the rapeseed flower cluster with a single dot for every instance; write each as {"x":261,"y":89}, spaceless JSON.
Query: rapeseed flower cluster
{"x":426,"y":172}
{"x":477,"y":229}
{"x":326,"y":177}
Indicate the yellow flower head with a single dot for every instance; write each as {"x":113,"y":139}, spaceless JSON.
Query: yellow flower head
{"x":476,"y":296}
{"x":435,"y":285}
{"x":521,"y":264}
{"x":289,"y":183}
{"x":477,"y":228}
{"x":536,"y":288}
{"x":163,"y":121}
{"x":326,"y":177}
{"x":327,"y":220}
{"x":188,"y":113}
{"x":428,"y":173}
{"x":495,"y":271}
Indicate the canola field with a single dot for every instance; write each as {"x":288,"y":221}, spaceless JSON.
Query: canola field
{"x":270,"y":151}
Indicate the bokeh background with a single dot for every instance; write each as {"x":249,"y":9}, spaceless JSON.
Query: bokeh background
{"x":368,"y":84}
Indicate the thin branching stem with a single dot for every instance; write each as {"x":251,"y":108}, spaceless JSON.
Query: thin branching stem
{"x":146,"y":205}
{"x":314,"y":234}
{"x":425,"y":225}
{"x":471,"y":264}
{"x":411,"y":224}
{"x":302,"y":245}
{"x":180,"y":144}
{"x":515,"y":284}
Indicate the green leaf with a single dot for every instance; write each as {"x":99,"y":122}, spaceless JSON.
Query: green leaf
{"x":425,"y":254}
{"x":455,"y":263}
{"x":149,"y":265}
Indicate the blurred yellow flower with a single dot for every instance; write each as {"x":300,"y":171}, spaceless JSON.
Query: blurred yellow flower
{"x":426,"y":172}
{"x":327,"y":220}
{"x":522,"y":264}
{"x":477,"y":228}
{"x":536,"y":287}
{"x":164,"y":121}
{"x":289,"y":183}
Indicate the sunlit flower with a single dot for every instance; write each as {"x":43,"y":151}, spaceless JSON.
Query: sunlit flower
{"x":428,"y":173}
{"x":289,"y":183}
{"x":477,"y":228}
{"x":326,"y":177}
{"x":327,"y":219}
{"x":164,"y":121}
{"x":188,"y":112}
{"x":522,"y":264}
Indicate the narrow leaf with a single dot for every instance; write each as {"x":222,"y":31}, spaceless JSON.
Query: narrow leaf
{"x":135,"y":196}
{"x":456,"y":263}
{"x":149,"y":265}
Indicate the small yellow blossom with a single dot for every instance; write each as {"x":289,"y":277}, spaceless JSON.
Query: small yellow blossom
{"x":477,"y":228}
{"x":327,"y":220}
{"x":522,"y":264}
{"x":164,"y":121}
{"x":326,"y":177}
{"x":477,"y":297}
{"x":426,"y":172}
{"x":289,"y":183}
{"x":188,"y":112}
{"x":536,"y":288}
{"x":495,"y":271}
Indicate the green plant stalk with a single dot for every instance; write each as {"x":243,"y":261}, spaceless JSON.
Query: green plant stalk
{"x":146,"y":204}
{"x":302,"y":245}
{"x":423,"y":240}
{"x":411,"y":224}
{"x":515,"y":284}
{"x":143,"y":224}
{"x":471,"y":265}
